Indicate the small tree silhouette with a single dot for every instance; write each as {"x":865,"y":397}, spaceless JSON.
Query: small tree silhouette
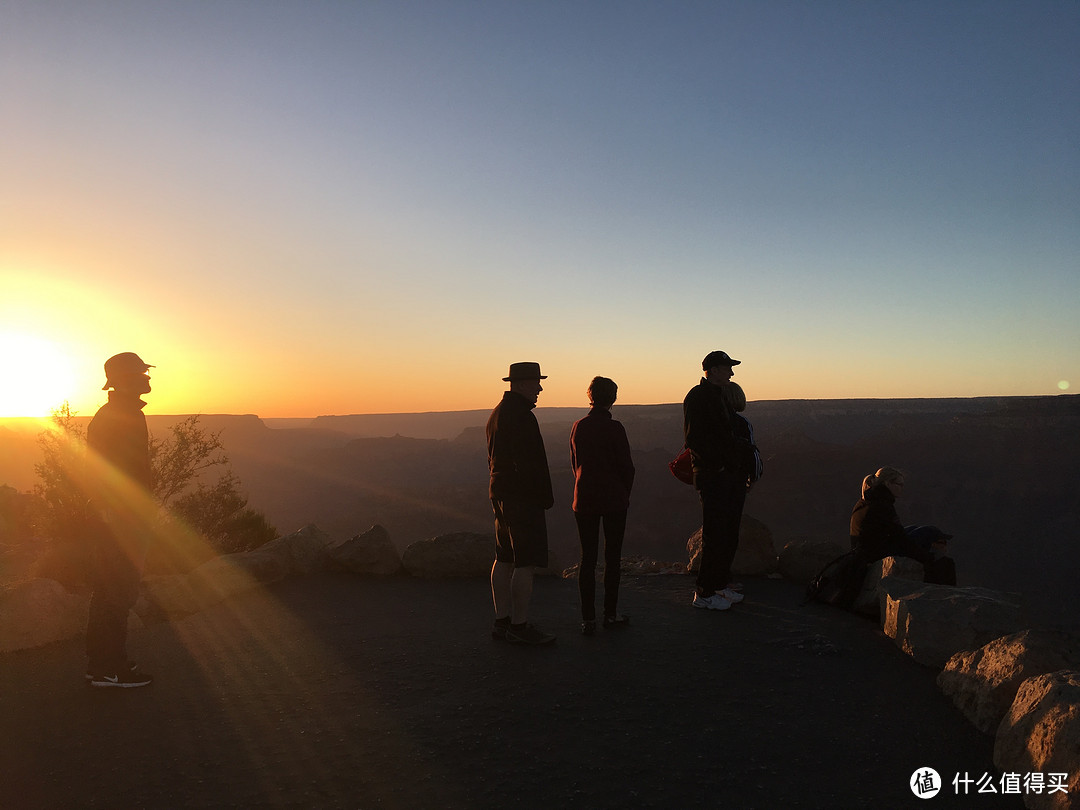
{"x":198,"y":520}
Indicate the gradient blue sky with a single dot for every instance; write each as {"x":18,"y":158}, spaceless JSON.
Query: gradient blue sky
{"x":299,"y":208}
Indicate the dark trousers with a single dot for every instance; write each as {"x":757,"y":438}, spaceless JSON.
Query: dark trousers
{"x":722,"y":499}
{"x":588,"y":526}
{"x":116,"y":574}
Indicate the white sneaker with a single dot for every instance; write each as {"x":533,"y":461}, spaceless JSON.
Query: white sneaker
{"x":714,"y":602}
{"x":732,"y":596}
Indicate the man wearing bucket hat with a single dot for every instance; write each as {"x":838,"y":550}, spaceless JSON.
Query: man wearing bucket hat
{"x":120,"y":488}
{"x":708,"y":425}
{"x":520,"y":491}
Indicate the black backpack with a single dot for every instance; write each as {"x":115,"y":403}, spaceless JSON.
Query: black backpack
{"x":839,"y":582}
{"x":749,"y":455}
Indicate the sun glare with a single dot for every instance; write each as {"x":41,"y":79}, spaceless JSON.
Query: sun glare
{"x":36,"y":376}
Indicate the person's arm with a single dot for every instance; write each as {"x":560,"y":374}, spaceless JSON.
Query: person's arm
{"x":624,"y":462}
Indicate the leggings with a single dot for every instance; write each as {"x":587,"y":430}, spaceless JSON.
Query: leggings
{"x":589,"y":533}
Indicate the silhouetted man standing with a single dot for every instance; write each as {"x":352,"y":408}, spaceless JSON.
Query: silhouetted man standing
{"x":120,"y":487}
{"x":520,"y":491}
{"x":708,"y":425}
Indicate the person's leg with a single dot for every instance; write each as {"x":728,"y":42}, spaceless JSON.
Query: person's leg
{"x":709,"y":578}
{"x":502,"y":571}
{"x":588,"y":526}
{"x":116,"y":587}
{"x":521,"y":586}
{"x":733,"y":498}
{"x":614,"y":531}
{"x":501,"y":576}
{"x":528,"y":532}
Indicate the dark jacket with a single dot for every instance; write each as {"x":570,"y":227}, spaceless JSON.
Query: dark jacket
{"x":707,"y":428}
{"x":517,"y":460}
{"x":603,"y":468}
{"x":118,"y":436}
{"x":119,"y":482}
{"x":876,"y":530}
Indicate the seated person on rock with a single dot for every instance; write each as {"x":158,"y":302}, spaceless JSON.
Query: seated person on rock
{"x":876,"y":530}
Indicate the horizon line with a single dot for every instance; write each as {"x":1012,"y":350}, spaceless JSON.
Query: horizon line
{"x":582,"y":407}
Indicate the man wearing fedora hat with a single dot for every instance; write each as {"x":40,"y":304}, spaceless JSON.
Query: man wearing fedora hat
{"x":708,"y":426}
{"x":121,"y":496}
{"x":520,"y":491}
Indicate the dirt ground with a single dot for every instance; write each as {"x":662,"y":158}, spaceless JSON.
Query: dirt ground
{"x":338,"y":691}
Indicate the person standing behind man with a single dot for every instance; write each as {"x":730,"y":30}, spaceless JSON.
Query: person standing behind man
{"x":708,"y":427}
{"x":120,"y":492}
{"x":520,"y":491}
{"x":603,"y":478}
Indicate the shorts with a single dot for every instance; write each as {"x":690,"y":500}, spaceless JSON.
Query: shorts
{"x":520,"y":534}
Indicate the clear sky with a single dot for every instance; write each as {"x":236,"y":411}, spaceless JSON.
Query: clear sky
{"x":304,"y":208}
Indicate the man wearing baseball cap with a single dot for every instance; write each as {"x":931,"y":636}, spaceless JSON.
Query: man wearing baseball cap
{"x":121,"y":496}
{"x":708,"y":426}
{"x":520,"y":491}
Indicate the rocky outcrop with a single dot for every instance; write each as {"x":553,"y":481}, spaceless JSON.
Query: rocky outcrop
{"x":931,"y":623}
{"x":461,"y":554}
{"x":305,"y":551}
{"x":39,"y":611}
{"x":369,"y":553}
{"x":868,"y":602}
{"x":755,"y":556}
{"x":802,"y":560}
{"x":983,"y":683}
{"x":1041,"y":735}
{"x":632,"y":566}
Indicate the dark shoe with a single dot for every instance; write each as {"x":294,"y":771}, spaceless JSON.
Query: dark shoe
{"x":125,"y":680}
{"x":132,"y":666}
{"x":618,"y":620}
{"x":498,"y":630}
{"x":588,"y":627}
{"x":528,"y":634}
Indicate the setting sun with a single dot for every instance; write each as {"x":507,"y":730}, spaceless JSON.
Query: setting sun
{"x":37,"y":376}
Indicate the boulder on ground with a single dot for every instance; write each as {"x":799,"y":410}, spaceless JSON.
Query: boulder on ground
{"x":461,"y":554}
{"x":868,"y":600}
{"x":802,"y":560}
{"x":305,"y":551}
{"x":369,"y":553}
{"x":931,"y":623}
{"x":983,"y":683}
{"x":631,"y":566}
{"x":755,"y":556}
{"x":1040,"y":734}
{"x":39,"y":611}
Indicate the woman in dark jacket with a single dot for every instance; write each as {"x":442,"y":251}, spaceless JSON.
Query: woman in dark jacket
{"x":603,"y":478}
{"x":876,"y":530}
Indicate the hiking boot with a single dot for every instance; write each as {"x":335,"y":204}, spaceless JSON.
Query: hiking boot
{"x":125,"y":680}
{"x":526,"y":633}
{"x":714,"y":602}
{"x":588,"y":627}
{"x":618,"y":620}
{"x":498,"y":630}
{"x":732,"y":596}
